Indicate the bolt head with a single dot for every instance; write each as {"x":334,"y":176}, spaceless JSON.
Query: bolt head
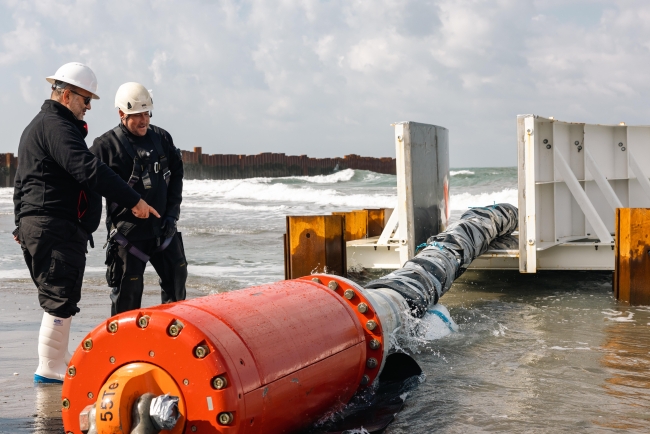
{"x":65,"y":403}
{"x":151,"y":354}
{"x":333,"y":285}
{"x":362,"y":307}
{"x":623,"y":148}
{"x":72,"y":371}
{"x":219,"y":382}
{"x":620,"y":144}
{"x":143,"y":321}
{"x":225,"y":418}
{"x":371,"y":325}
{"x":375,"y":344}
{"x":112,"y":359}
{"x":316,"y":279}
{"x":545,"y":141}
{"x":365,"y":380}
{"x":201,"y":351}
{"x":90,"y":395}
{"x":193,"y":428}
{"x":349,"y":294}
{"x":88,"y":344}
{"x":186,"y":381}
{"x":371,"y":363}
{"x":113,"y":326}
{"x":174,"y":330}
{"x":548,"y":146}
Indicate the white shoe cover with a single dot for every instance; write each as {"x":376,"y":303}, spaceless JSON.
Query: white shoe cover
{"x":438,"y":323}
{"x":53,"y":341}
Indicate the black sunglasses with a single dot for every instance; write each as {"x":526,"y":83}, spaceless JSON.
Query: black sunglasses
{"x":86,"y":98}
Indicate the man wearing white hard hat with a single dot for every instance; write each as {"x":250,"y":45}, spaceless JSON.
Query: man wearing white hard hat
{"x":144,"y":155}
{"x":57,"y":207}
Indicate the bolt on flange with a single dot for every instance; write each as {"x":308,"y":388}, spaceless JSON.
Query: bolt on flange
{"x":175,"y":329}
{"x":363,"y":307}
{"x":371,"y":325}
{"x":113,"y":326}
{"x":349,"y":294}
{"x":374,"y":344}
{"x":143,"y":321}
{"x":225,"y":418}
{"x":65,"y":403}
{"x":219,"y":382}
{"x":72,"y":371}
{"x":371,"y":363}
{"x":201,"y":351}
{"x":87,"y":344}
{"x":333,"y":285}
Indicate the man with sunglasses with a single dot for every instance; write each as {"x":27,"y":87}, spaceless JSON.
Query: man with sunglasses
{"x":145,"y":156}
{"x":57,"y":207}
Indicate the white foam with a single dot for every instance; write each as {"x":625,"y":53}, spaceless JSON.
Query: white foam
{"x":16,"y":273}
{"x":569,"y":348}
{"x":628,"y":318}
{"x":460,"y":172}
{"x":465,"y":201}
{"x":261,"y":190}
{"x":232,"y":206}
{"x":342,"y":176}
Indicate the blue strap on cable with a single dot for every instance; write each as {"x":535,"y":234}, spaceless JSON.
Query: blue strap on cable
{"x":421,"y":246}
{"x":443,"y":318}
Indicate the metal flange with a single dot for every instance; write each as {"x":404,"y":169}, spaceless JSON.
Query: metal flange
{"x":366,"y":314}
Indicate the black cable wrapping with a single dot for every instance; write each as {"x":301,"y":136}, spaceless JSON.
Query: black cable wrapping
{"x":425,"y":278}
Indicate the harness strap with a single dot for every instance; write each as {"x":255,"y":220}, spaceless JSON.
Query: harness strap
{"x":136,"y":174}
{"x":129,"y":247}
{"x":137,"y":167}
{"x":164,"y":164}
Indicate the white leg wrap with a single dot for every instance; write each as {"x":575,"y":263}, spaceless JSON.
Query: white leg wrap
{"x":52,"y":347}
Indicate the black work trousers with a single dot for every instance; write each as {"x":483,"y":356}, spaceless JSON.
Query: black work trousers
{"x":55,"y":253}
{"x":125,"y":273}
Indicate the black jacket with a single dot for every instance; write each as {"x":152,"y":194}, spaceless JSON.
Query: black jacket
{"x":164,"y":199}
{"x":57,"y":174}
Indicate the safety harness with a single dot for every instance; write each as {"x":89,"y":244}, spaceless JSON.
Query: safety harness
{"x":140,"y":171}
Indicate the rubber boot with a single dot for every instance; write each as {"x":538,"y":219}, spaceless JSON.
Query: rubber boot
{"x":52,"y":348}
{"x":67,"y":356}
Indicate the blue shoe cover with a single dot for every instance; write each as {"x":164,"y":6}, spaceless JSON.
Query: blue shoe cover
{"x":44,"y":380}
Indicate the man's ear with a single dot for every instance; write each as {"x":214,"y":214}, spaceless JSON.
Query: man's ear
{"x":65,"y":97}
{"x":121,"y":113}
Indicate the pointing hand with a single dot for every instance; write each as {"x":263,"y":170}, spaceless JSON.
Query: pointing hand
{"x":142,"y":210}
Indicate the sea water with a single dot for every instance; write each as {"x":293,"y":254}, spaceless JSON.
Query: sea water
{"x":551,"y":352}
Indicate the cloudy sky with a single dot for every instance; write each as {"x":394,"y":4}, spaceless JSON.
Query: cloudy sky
{"x":327,"y":78}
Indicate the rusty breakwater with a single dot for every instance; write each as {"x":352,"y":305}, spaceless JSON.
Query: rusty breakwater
{"x":198,"y":165}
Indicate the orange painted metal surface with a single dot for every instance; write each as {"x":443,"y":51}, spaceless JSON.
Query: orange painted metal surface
{"x":366,"y":316}
{"x":288,"y":352}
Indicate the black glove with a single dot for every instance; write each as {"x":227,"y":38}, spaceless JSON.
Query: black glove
{"x":168,"y":227}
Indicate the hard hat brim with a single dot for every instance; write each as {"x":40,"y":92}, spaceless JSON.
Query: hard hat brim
{"x":51,"y":79}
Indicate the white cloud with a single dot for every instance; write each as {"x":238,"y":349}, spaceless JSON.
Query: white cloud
{"x":26,"y":90}
{"x":157,"y":66}
{"x":327,"y":78}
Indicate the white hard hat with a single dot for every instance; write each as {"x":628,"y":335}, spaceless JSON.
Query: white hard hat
{"x":77,"y":74}
{"x":133,"y":98}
